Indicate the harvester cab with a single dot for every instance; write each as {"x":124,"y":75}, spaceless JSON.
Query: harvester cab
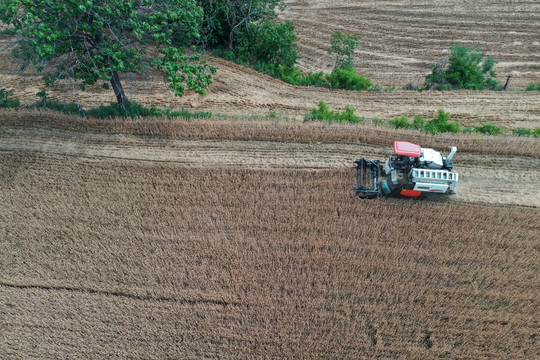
{"x":410,"y":171}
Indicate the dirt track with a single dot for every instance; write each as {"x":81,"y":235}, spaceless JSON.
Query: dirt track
{"x":509,"y":180}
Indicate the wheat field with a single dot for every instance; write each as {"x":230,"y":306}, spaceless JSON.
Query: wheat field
{"x":114,"y":257}
{"x":220,"y":239}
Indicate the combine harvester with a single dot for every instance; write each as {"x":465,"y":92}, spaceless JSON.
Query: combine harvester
{"x":411,"y":171}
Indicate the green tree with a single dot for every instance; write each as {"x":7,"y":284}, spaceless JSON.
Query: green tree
{"x":94,"y":41}
{"x":226,"y":18}
{"x":342,"y":46}
{"x":467,"y":68}
{"x":268,"y":43}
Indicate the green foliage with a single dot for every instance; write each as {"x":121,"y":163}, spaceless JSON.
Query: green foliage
{"x":533,"y":87}
{"x":399,"y":122}
{"x":488,"y":129}
{"x":347,"y":116}
{"x":418,"y":123}
{"x":522,"y":132}
{"x":347,"y":79}
{"x":69,"y":108}
{"x":136,"y":110}
{"x":323,"y":113}
{"x":467,"y":68}
{"x":342,"y":46}
{"x":6,"y":100}
{"x":536,"y":132}
{"x":93,"y":41}
{"x":225,"y":19}
{"x":442,"y":124}
{"x":377,"y":121}
{"x":268,"y":43}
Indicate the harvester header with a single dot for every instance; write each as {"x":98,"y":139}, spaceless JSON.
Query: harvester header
{"x":411,"y":171}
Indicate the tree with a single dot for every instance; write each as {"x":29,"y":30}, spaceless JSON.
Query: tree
{"x":92,"y":41}
{"x":226,"y":18}
{"x":467,"y":68}
{"x":268,"y":43}
{"x":343,"y":46}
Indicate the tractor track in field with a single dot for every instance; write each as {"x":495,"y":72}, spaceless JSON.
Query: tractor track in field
{"x":484,"y":178}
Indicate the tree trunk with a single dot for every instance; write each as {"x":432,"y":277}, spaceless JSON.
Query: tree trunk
{"x":231,"y":39}
{"x":119,"y":90}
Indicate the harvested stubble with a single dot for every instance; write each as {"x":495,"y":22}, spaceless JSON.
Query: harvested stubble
{"x":268,"y":131}
{"x":120,"y":259}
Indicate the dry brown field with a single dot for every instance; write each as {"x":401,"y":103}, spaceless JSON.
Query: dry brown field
{"x":177,"y":239}
{"x":136,"y":239}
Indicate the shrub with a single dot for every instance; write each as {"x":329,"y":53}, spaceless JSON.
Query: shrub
{"x":418,"y":123}
{"x":5,"y":99}
{"x":533,"y":87}
{"x":348,"y":116}
{"x":536,"y":132}
{"x":488,"y":129}
{"x":269,"y":43}
{"x":522,"y":132}
{"x":466,"y":69}
{"x":442,"y":124}
{"x":347,"y":79}
{"x":400,"y":122}
{"x":323,"y":113}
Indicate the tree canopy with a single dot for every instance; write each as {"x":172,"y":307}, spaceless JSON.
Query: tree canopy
{"x":466,"y":68}
{"x":225,"y":18}
{"x":92,"y":41}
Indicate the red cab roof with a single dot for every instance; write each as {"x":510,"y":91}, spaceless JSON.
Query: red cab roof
{"x":407,"y":149}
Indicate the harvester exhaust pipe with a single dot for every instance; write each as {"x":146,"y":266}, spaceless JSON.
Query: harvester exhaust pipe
{"x":453,"y":150}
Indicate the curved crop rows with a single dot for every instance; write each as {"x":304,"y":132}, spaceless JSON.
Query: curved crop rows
{"x":401,"y":38}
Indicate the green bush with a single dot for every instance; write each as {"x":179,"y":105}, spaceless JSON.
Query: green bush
{"x":347,"y":79}
{"x":268,"y":42}
{"x":348,"y":116}
{"x":442,"y":124}
{"x":418,"y":123}
{"x":533,"y":87}
{"x":522,"y":132}
{"x":5,"y":99}
{"x":488,"y":129}
{"x":536,"y":132}
{"x":466,"y":69}
{"x":400,"y":122}
{"x":323,"y":113}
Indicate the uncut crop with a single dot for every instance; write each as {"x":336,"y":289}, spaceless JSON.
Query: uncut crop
{"x":111,"y":258}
